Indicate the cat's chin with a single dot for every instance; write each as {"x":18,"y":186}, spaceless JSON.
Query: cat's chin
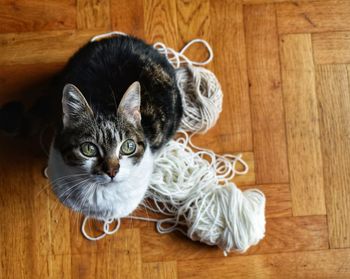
{"x":112,"y":201}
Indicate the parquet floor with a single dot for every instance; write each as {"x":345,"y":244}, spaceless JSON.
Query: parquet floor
{"x":285,"y":71}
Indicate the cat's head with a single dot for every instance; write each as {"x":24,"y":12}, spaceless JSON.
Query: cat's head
{"x":100,"y":164}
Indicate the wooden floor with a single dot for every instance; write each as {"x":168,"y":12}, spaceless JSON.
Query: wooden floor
{"x":285,"y":71}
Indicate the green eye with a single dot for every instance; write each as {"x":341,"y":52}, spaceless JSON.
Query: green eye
{"x":128,"y":147}
{"x":88,"y":149}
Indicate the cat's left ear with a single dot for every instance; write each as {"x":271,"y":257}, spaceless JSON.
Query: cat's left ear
{"x":130,"y":104}
{"x":74,"y":106}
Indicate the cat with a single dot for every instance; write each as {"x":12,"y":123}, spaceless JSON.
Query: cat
{"x":117,"y":105}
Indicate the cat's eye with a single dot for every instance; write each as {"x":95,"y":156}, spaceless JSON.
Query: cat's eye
{"x":128,"y":147}
{"x":88,"y":149}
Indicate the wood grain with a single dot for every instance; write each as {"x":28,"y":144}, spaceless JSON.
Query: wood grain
{"x":93,"y":14}
{"x":303,"y":133}
{"x":233,"y":131}
{"x":159,"y":270}
{"x":161,"y":22}
{"x":308,"y":233}
{"x":193,"y":22}
{"x":120,"y":260}
{"x":34,"y":15}
{"x":248,"y":178}
{"x":128,"y":17}
{"x":24,"y":236}
{"x":266,"y":95}
{"x":313,"y":16}
{"x":60,"y":266}
{"x":46,"y":47}
{"x":335,"y":131}
{"x":332,"y":48}
{"x":316,"y":264}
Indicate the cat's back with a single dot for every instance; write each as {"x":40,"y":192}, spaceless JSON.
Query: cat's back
{"x":106,"y":68}
{"x":103,"y":70}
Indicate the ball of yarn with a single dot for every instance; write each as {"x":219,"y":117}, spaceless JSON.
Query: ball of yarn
{"x":186,"y":187}
{"x":201,"y":98}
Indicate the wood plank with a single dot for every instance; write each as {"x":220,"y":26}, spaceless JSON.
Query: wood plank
{"x":282,"y":235}
{"x":193,"y":22}
{"x":233,"y":132}
{"x":334,"y":111}
{"x":249,"y":178}
{"x":79,"y":244}
{"x":25,"y":235}
{"x":313,"y":16}
{"x":316,"y":264}
{"x":332,"y":48}
{"x":161,"y":22}
{"x":25,"y":268}
{"x":85,"y":266}
{"x":159,"y":270}
{"x":45,"y":47}
{"x":60,"y":266}
{"x":127,"y":264}
{"x":34,"y":15}
{"x":120,"y":259}
{"x":93,"y":14}
{"x":303,"y":133}
{"x":278,"y":199}
{"x":21,"y":82}
{"x":128,"y":17}
{"x":266,"y":95}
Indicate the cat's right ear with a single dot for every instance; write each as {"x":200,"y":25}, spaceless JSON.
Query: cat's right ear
{"x":74,"y":106}
{"x":130,"y":104}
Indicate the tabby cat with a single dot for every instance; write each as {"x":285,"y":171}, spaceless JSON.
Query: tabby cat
{"x":119,"y":104}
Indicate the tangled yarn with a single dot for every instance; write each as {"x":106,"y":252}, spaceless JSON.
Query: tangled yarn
{"x":199,"y":88}
{"x":196,"y":193}
{"x":192,"y":186}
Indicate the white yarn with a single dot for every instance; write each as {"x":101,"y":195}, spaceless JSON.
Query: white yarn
{"x":187,"y":186}
{"x":107,"y":35}
{"x":194,"y":189}
{"x":200,"y":90}
{"x":106,"y":229}
{"x":201,"y":98}
{"x":179,"y":58}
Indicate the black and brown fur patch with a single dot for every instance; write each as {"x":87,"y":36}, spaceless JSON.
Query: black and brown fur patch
{"x":104,"y":70}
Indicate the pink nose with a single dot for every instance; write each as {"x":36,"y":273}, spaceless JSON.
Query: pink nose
{"x":112,"y":172}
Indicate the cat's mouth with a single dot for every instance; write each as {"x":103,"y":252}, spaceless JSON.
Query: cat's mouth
{"x":107,"y":181}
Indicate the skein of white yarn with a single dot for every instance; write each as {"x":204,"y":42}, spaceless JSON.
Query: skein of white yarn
{"x":194,"y":189}
{"x":187,"y":188}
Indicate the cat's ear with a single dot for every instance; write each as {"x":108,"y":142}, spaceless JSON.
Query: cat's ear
{"x":74,"y":106}
{"x":130,"y":104}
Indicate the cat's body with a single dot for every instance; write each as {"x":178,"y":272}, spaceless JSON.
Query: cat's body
{"x":120,"y":106}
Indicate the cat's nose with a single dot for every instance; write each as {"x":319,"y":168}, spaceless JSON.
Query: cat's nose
{"x":111,"y":166}
{"x":112,"y":172}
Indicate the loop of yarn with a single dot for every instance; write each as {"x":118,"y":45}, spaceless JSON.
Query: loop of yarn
{"x":106,"y":228}
{"x":178,"y":58}
{"x":194,"y":189}
{"x":107,"y":35}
